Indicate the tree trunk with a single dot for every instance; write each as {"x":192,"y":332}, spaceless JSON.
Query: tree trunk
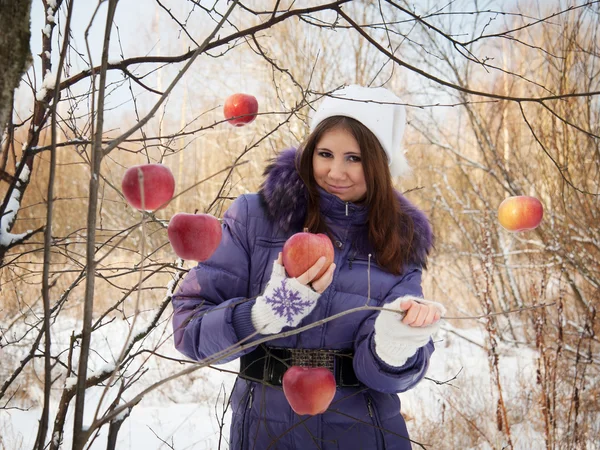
{"x":14,"y":51}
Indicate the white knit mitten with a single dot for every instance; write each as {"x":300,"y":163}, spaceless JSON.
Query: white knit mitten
{"x":396,"y":342}
{"x":285,"y":302}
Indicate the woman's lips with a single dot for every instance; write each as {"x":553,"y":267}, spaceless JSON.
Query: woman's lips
{"x":338,"y":188}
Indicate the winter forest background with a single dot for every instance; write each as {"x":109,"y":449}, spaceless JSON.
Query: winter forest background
{"x":502,"y":99}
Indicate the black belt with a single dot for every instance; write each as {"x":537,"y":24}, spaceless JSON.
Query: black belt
{"x":268,"y":364}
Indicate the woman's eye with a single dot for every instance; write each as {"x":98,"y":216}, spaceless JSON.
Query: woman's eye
{"x":354,"y":158}
{"x":325,"y":154}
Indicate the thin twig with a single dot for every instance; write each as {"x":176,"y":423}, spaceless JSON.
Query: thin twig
{"x":80,"y":435}
{"x":43,"y":425}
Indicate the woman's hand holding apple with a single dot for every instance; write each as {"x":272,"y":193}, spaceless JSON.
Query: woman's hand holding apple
{"x":308,"y":278}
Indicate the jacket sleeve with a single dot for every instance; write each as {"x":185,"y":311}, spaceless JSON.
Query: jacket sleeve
{"x":211,"y":308}
{"x":370,"y":369}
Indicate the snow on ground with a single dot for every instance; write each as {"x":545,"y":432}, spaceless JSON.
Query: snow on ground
{"x":153,"y":423}
{"x":183,"y":426}
{"x":472,"y":391}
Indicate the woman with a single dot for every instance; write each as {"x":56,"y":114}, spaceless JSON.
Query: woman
{"x":338,"y":183}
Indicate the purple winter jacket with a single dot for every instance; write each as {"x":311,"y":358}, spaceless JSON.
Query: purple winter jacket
{"x":213,"y":304}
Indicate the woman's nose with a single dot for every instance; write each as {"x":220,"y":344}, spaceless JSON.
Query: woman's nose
{"x":337,"y":171}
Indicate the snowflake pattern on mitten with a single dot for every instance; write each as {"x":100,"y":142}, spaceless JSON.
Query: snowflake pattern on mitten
{"x":287,"y":303}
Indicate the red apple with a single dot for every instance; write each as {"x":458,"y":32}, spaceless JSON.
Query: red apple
{"x":240,"y":109}
{"x":158,"y":183}
{"x":520,"y":213}
{"x":302,"y":250}
{"x":308,"y":390}
{"x":194,"y":237}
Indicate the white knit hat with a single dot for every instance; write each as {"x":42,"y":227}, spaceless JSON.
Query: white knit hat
{"x":376,"y":108}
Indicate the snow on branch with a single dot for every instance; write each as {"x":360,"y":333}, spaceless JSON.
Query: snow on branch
{"x":47,"y":85}
{"x":12,"y":208}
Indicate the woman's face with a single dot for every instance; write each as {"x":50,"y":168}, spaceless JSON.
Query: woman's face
{"x":337,"y":165}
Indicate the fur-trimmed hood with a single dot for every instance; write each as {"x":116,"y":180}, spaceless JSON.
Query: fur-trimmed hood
{"x":285,"y":197}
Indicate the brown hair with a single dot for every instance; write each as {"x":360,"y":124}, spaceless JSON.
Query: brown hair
{"x":391,"y":230}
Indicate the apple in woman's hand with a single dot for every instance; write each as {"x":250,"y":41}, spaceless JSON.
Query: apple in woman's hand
{"x":194,"y":237}
{"x":157,"y":181}
{"x":302,"y":250}
{"x":240,"y":109}
{"x":520,"y":213}
{"x":308,"y":390}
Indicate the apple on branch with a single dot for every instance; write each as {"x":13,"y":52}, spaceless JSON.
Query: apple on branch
{"x":520,"y":213}
{"x":308,"y":390}
{"x":194,"y":237}
{"x":302,"y":250}
{"x":158,"y":186}
{"x":240,"y":109}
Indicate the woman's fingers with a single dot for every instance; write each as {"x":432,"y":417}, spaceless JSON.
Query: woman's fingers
{"x":422,"y":317}
{"x":308,"y":277}
{"x":311,"y":273}
{"x":323,"y":283}
{"x":406,"y":305}
{"x":412,"y":313}
{"x":430,"y":319}
{"x":418,"y":315}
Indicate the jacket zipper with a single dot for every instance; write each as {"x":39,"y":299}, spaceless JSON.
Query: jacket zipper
{"x":249,"y":405}
{"x":376,"y":424}
{"x":328,"y":307}
{"x":246,"y":421}
{"x":352,"y":258}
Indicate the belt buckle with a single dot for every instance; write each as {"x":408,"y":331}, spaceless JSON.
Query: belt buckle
{"x":307,"y":357}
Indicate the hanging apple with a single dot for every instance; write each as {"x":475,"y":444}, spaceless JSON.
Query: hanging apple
{"x":520,"y":213}
{"x":158,"y":184}
{"x":194,"y":237}
{"x":302,"y":250}
{"x":240,"y":109}
{"x":308,"y":390}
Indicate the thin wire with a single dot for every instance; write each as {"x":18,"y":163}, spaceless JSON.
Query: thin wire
{"x":369,"y":280}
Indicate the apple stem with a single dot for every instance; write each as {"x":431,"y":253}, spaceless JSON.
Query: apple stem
{"x":306,"y":230}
